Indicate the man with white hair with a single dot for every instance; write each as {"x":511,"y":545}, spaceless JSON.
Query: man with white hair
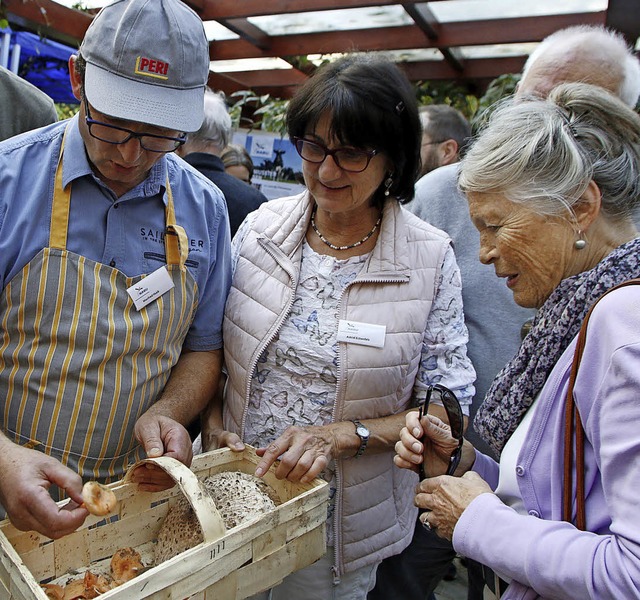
{"x":590,"y":54}
{"x":203,"y":150}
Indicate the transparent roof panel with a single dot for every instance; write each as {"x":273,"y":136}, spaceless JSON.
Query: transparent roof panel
{"x":488,"y":51}
{"x":388,"y":16}
{"x":471,"y":10}
{"x":214,"y":31}
{"x":333,"y":20}
{"x":248,"y":64}
{"x":391,"y":15}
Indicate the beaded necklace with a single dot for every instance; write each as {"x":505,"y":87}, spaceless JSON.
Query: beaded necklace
{"x":333,"y":246}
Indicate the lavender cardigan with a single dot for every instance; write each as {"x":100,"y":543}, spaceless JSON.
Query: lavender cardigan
{"x":546,"y":557}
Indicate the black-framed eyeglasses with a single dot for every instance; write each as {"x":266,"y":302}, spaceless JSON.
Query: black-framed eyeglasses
{"x":432,"y":143}
{"x":111,"y":134}
{"x":456,"y":422}
{"x":348,"y":159}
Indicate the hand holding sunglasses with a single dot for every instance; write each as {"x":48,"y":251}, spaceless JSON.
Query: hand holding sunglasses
{"x":456,"y":422}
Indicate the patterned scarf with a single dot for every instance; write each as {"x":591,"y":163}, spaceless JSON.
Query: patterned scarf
{"x":554,"y":327}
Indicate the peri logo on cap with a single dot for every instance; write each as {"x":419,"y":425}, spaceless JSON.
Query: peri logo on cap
{"x":151,"y":68}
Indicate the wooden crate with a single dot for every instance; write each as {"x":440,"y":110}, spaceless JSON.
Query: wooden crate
{"x":228,"y":565}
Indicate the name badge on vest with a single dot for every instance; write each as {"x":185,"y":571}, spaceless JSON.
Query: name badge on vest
{"x":365,"y":334}
{"x":150,"y":288}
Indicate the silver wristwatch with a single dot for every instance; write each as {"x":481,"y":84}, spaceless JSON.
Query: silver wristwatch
{"x":363,"y":433}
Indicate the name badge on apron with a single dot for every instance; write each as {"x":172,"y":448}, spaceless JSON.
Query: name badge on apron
{"x":365,"y":334}
{"x":150,"y":288}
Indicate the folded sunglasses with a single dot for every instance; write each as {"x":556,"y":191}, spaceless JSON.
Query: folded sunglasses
{"x":456,"y":421}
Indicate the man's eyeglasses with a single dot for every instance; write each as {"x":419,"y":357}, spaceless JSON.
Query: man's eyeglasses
{"x":111,"y":134}
{"x":456,"y":421}
{"x":348,"y":159}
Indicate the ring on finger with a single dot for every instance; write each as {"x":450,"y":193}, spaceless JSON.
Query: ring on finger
{"x":425,"y":522}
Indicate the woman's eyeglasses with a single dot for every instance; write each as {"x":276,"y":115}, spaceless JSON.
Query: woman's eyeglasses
{"x":111,"y":134}
{"x":456,"y":422}
{"x":348,"y":159}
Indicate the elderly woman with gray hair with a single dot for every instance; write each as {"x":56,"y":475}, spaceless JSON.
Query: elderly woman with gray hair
{"x":552,"y":187}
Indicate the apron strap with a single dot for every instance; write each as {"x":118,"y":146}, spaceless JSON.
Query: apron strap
{"x":59,"y":225}
{"x":176,"y":244}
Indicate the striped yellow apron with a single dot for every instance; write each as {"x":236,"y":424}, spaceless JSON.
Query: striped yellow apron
{"x":78,"y":363}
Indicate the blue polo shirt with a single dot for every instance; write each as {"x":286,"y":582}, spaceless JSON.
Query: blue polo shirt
{"x":127,"y":232}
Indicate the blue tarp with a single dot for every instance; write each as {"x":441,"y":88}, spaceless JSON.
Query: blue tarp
{"x":44,"y":64}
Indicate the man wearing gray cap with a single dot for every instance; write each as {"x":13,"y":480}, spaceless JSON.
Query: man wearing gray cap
{"x":114,"y":269}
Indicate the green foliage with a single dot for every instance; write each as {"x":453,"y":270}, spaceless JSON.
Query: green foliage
{"x":245,"y":102}
{"x":251,"y":111}
{"x":273,"y":116}
{"x":447,"y":92}
{"x":66,"y":111}
{"x":501,"y":87}
{"x":4,"y":23}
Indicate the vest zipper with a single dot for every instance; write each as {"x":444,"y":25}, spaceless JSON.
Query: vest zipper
{"x":339,"y":402}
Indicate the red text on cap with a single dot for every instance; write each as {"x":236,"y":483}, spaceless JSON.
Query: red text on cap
{"x":151,"y":67}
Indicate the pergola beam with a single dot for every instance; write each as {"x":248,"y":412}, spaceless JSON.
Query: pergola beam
{"x":67,"y":25}
{"x":462,"y":33}
{"x":224,"y":9}
{"x":428,"y":23}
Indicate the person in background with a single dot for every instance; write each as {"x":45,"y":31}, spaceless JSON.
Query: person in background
{"x":344,"y":309}
{"x":589,"y":53}
{"x":552,"y":187}
{"x":593,"y":55}
{"x":203,"y":149}
{"x":445,"y":131}
{"x":24,"y":106}
{"x":97,"y":371}
{"x":237,"y":162}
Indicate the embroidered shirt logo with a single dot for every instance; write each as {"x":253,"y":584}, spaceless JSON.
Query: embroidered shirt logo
{"x":151,"y":68}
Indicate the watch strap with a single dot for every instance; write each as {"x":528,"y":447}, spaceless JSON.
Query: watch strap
{"x":364,"y":439}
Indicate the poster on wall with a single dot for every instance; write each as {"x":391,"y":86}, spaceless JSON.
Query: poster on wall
{"x":277,"y":166}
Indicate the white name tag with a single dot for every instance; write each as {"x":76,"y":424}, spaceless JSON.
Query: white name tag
{"x":150,"y":288}
{"x":365,"y":334}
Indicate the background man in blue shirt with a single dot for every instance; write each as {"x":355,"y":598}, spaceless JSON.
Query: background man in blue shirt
{"x":114,"y":269}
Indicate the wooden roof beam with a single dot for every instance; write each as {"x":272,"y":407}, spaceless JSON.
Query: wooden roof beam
{"x":49,"y":19}
{"x":224,"y":9}
{"x":476,"y":68}
{"x":247,"y":31}
{"x":461,"y":33}
{"x":268,"y":78}
{"x":429,"y":24}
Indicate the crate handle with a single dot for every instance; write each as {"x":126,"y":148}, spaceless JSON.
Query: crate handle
{"x":200,"y":500}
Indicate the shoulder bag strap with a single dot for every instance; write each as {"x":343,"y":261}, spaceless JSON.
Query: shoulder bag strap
{"x":572,"y":421}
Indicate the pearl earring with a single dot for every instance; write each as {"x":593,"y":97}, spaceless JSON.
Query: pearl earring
{"x":580,"y":243}
{"x":387,"y":185}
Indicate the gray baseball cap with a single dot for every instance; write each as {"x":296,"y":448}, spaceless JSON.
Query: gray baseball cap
{"x":147,"y":61}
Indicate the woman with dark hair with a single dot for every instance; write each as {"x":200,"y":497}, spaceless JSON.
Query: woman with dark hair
{"x":344,"y":309}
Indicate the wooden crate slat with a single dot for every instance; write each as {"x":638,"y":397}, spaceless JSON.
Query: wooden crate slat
{"x":247,"y":559}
